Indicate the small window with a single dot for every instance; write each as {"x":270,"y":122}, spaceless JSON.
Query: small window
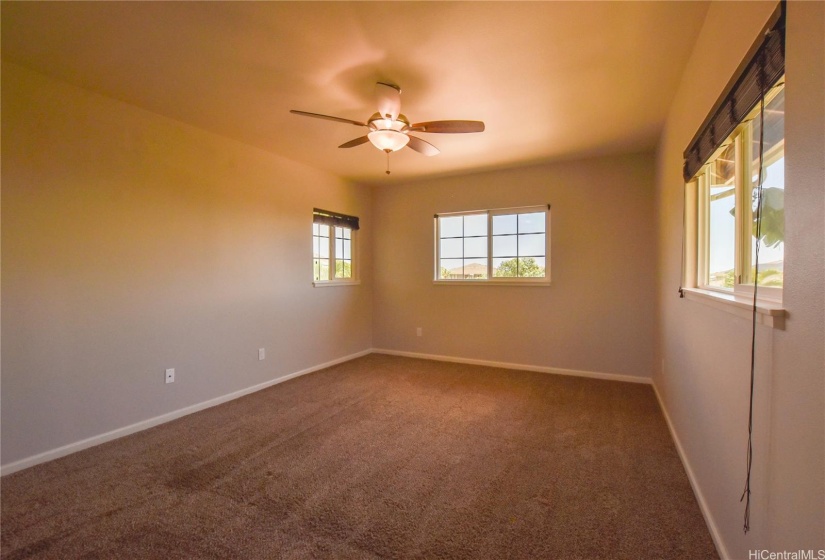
{"x":493,"y":246}
{"x":722,"y":223}
{"x":333,"y":248}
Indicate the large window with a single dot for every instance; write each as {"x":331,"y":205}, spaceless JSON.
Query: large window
{"x":505,"y":245}
{"x":333,"y":247}
{"x":722,"y":206}
{"x":734,"y":240}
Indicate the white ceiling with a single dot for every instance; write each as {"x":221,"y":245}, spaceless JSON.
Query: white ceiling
{"x":551,"y":80}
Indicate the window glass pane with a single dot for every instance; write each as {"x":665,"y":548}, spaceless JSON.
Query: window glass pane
{"x":475,"y":269}
{"x":529,"y":267}
{"x":541,"y":265}
{"x":451,"y":227}
{"x":531,"y":223}
{"x":451,"y":248}
{"x":531,"y":245}
{"x":772,"y":246}
{"x":315,"y":244}
{"x":774,"y":137}
{"x":475,"y":224}
{"x":451,"y":268}
{"x":315,"y":229}
{"x":323,"y":230}
{"x":505,"y":246}
{"x":505,"y":223}
{"x":475,"y":247}
{"x":347,"y":233}
{"x":523,"y":267}
{"x":721,"y":222}
{"x":347,"y":253}
{"x":322,"y":269}
{"x":339,"y":248}
{"x":343,"y":269}
{"x":505,"y":268}
{"x":323,"y":247}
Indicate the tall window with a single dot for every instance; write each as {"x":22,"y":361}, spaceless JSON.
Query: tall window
{"x":333,"y":247}
{"x":735,"y":178}
{"x":505,"y":245}
{"x":725,"y":193}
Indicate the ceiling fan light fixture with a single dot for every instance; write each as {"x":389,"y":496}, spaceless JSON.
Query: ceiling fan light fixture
{"x":388,"y":140}
{"x":388,"y":128}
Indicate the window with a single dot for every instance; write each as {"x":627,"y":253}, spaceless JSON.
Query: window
{"x":333,"y":248}
{"x":725,"y":193}
{"x":493,"y":246}
{"x":735,"y":188}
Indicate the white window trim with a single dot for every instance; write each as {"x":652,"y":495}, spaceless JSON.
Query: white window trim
{"x":334,"y":283}
{"x":495,"y":280}
{"x":768,"y":313}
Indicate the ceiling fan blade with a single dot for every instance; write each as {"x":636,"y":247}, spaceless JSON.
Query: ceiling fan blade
{"x":450,"y":127}
{"x":327,"y":117}
{"x":389,"y":100}
{"x":356,"y":142}
{"x":422,"y":146}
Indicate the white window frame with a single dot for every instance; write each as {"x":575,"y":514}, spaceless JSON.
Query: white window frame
{"x":494,"y":280}
{"x":333,"y":258}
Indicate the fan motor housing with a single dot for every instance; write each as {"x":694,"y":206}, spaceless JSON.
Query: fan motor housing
{"x":378,"y":122}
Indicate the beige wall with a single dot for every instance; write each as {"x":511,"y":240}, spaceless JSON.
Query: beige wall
{"x":596,"y":316}
{"x":797,"y":475}
{"x":705,"y":352}
{"x":132,"y":243}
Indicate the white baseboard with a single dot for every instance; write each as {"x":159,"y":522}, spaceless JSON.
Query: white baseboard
{"x":697,"y":491}
{"x":524,"y":367}
{"x":162,"y":419}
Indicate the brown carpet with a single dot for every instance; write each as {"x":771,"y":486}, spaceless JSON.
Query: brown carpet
{"x":380,"y":457}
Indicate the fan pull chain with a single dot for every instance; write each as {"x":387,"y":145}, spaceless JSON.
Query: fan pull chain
{"x":388,"y":161}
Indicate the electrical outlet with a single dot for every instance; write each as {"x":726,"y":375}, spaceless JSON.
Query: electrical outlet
{"x":261,"y":353}
{"x":170,"y":375}
{"x":419,"y":331}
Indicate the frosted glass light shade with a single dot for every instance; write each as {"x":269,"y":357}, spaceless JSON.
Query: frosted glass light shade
{"x":385,"y":140}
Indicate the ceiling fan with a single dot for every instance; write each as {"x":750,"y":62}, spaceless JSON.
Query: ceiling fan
{"x":389,"y":130}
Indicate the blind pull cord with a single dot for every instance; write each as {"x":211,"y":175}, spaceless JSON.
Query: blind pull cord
{"x":684,"y":223}
{"x":746,"y":495}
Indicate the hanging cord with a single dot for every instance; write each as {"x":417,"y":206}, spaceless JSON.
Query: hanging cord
{"x":684,"y":222}
{"x":746,"y":495}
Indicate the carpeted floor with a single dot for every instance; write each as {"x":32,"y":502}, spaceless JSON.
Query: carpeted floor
{"x":380,"y":457}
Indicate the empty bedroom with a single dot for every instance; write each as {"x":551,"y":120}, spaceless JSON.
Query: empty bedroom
{"x":412,"y":280}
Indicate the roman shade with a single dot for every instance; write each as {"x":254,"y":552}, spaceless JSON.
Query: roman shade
{"x":761,"y":68}
{"x":334,"y":219}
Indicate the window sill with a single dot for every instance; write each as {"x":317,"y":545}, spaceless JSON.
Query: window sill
{"x":768,"y":313}
{"x":330,"y":284}
{"x":491,"y":283}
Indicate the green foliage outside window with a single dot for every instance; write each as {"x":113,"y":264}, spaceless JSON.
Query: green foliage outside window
{"x":523,"y":267}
